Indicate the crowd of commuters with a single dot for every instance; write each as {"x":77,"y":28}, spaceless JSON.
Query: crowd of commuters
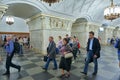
{"x":67,"y":48}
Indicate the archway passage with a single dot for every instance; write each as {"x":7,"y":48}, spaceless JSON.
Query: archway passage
{"x":79,"y":30}
{"x":22,"y":10}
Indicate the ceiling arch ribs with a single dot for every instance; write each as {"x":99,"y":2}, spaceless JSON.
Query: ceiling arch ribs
{"x":90,"y":5}
{"x":82,"y":5}
{"x":40,"y":6}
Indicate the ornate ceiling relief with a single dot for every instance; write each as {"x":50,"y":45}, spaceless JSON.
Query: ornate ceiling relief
{"x":59,"y":23}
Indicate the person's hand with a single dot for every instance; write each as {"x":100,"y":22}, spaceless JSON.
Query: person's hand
{"x":48,"y":55}
{"x":95,"y":56}
{"x":6,"y":43}
{"x":65,"y":52}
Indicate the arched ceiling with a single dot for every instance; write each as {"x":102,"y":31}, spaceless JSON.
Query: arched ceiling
{"x":92,"y":10}
{"x":22,"y":10}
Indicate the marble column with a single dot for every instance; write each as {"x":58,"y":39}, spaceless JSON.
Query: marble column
{"x":43,"y":26}
{"x":107,"y":33}
{"x":116,"y":32}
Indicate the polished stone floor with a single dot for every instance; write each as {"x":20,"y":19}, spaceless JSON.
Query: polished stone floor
{"x":31,"y":67}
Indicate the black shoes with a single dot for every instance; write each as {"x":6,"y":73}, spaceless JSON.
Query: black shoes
{"x":94,"y":73}
{"x":19,"y":69}
{"x":44,"y":69}
{"x":84,"y":73}
{"x":7,"y":73}
{"x":64,"y":76}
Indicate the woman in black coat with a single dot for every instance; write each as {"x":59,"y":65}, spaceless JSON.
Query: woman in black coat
{"x":65,"y":63}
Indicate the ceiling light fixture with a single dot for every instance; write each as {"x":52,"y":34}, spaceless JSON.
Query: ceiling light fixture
{"x":51,"y":1}
{"x":9,"y":20}
{"x":112,"y":12}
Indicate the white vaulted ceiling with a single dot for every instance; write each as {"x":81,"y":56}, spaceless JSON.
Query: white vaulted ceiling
{"x":92,"y":10}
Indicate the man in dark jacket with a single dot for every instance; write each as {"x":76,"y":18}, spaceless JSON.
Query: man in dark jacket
{"x":93,"y":53}
{"x":51,"y":50}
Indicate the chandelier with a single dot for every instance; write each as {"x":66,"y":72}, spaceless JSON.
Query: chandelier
{"x":112,"y":12}
{"x":51,"y":1}
{"x":9,"y":20}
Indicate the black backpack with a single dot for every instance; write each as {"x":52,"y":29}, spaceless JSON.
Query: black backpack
{"x":16,"y":47}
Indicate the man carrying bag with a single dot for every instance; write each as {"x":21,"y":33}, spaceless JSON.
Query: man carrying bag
{"x":93,"y":53}
{"x":51,"y":54}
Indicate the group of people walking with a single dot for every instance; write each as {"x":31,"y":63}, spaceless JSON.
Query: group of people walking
{"x":68,"y":49}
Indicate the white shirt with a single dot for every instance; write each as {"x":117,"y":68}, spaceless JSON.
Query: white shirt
{"x":91,"y":44}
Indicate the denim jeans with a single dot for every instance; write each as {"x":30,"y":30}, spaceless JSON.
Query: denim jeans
{"x":21,"y":50}
{"x":75,"y":54}
{"x":48,"y":61}
{"x":90,"y":55}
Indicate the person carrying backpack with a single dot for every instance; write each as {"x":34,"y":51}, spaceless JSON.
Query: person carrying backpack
{"x":16,"y":46}
{"x":78,"y":46}
{"x":9,"y":47}
{"x":75,"y":48}
{"x":21,"y":45}
{"x":117,"y":45}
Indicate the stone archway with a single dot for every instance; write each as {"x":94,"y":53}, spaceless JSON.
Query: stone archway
{"x":41,"y":25}
{"x":79,"y":30}
{"x":25,"y":10}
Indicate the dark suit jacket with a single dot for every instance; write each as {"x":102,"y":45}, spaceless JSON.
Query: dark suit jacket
{"x":96,"y":47}
{"x":51,"y":50}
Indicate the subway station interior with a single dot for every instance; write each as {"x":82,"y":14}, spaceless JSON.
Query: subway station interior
{"x":59,"y":39}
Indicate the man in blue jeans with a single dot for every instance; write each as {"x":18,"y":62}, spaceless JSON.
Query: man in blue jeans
{"x":93,"y":53}
{"x":51,"y":50}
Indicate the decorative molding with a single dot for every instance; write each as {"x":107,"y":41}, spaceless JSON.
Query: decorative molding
{"x":3,"y":9}
{"x":14,"y":33}
{"x":47,"y":15}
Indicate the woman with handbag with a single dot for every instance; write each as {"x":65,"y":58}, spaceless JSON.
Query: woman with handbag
{"x":66,"y":58}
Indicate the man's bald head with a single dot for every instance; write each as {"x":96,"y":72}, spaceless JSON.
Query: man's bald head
{"x":9,"y":37}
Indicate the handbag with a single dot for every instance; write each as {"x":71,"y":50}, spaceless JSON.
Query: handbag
{"x":68,"y":55}
{"x":45,"y":58}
